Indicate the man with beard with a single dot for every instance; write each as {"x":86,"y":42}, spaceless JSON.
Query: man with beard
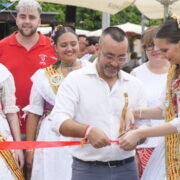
{"x":25,"y":51}
{"x":91,"y":104}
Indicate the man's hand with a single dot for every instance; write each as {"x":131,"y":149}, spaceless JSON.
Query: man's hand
{"x":98,"y":138}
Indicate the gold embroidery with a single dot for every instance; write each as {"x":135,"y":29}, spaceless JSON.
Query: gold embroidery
{"x":172,"y":142}
{"x":55,"y":77}
{"x":7,"y":155}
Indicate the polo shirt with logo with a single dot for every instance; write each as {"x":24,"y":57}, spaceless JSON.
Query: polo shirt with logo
{"x":22,"y":63}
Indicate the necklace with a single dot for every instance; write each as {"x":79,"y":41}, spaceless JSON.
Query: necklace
{"x":69,"y":66}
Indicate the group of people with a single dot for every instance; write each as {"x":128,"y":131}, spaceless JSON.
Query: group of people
{"x":48,"y":93}
{"x":87,"y":47}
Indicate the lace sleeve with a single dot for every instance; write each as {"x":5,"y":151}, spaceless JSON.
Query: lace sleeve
{"x":8,"y":96}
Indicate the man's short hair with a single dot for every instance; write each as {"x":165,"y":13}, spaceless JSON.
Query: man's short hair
{"x":28,"y":4}
{"x":116,"y":34}
{"x":82,"y":35}
{"x":93,"y":40}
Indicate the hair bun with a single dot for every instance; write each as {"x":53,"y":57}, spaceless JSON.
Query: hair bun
{"x":58,"y":27}
{"x":177,"y":18}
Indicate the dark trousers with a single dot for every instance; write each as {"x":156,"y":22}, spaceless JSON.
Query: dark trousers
{"x":87,"y":171}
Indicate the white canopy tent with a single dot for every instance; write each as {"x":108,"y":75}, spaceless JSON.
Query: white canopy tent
{"x":109,"y":6}
{"x":85,"y":32}
{"x":48,"y":29}
{"x":127,"y":27}
{"x":130,"y":27}
{"x":45,"y":29}
{"x":151,"y":8}
{"x":156,"y":9}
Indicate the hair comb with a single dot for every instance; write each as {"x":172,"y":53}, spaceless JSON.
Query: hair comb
{"x":177,"y":18}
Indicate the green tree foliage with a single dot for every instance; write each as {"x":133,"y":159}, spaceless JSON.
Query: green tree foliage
{"x":91,"y":19}
{"x":60,"y":9}
{"x":130,"y":14}
{"x":133,"y":15}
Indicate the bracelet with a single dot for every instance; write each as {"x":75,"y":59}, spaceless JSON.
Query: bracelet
{"x":87,"y":131}
{"x":29,"y":150}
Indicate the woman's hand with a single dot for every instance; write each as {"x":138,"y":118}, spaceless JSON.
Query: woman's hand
{"x":29,"y":159}
{"x":19,"y":156}
{"x":130,"y":140}
{"x":129,"y":121}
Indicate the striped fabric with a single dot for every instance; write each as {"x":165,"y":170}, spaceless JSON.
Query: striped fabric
{"x":142,"y":158}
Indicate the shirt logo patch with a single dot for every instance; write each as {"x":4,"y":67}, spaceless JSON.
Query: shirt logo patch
{"x":56,"y":79}
{"x":43,"y":59}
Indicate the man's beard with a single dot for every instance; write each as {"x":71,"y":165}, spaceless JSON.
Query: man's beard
{"x":33,"y":31}
{"x":107,"y":73}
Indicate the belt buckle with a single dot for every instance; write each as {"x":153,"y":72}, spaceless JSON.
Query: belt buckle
{"x":110,"y":165}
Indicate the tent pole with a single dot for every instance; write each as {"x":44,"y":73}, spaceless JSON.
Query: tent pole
{"x":143,"y":23}
{"x":166,"y":4}
{"x":105,"y":20}
{"x":166,"y":10}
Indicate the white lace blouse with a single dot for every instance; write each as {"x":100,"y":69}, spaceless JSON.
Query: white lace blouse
{"x":7,"y":95}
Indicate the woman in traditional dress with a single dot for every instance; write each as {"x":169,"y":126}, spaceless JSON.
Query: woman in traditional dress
{"x":165,"y":161}
{"x":11,"y":162}
{"x":51,"y":163}
{"x":153,"y":75}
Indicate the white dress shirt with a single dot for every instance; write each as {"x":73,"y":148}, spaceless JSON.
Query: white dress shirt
{"x":86,"y":98}
{"x":86,"y":57}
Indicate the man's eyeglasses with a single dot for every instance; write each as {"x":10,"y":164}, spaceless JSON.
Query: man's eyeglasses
{"x":149,"y":47}
{"x":112,"y":58}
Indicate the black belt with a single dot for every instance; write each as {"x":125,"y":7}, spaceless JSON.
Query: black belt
{"x":110,"y":164}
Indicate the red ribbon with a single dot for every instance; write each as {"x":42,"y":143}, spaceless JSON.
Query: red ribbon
{"x":39,"y":144}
